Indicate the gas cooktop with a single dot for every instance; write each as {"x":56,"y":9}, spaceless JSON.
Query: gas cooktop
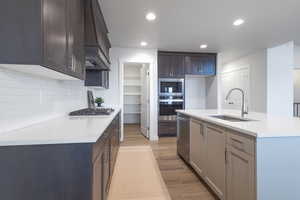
{"x":92,"y":111}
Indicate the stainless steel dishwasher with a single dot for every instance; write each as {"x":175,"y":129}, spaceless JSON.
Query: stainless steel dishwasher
{"x":183,"y":137}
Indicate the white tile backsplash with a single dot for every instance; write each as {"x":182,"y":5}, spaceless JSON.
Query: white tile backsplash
{"x":26,"y":99}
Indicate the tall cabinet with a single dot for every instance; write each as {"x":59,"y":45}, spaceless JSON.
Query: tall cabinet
{"x":176,"y":65}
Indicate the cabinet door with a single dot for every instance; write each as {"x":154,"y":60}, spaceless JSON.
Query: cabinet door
{"x":97,"y":191}
{"x":209,"y":65}
{"x":55,"y":34}
{"x":106,"y":166}
{"x":198,"y":147}
{"x":170,"y":65}
{"x":194,"y":65}
{"x":200,"y":64}
{"x":164,"y":66}
{"x":240,"y":175}
{"x":215,"y":162}
{"x":113,"y":148}
{"x":177,"y":66}
{"x":76,"y":55}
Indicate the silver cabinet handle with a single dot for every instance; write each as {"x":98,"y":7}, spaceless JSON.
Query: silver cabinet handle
{"x":182,"y":119}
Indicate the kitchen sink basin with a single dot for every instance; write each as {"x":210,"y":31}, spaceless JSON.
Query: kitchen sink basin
{"x":231,"y":119}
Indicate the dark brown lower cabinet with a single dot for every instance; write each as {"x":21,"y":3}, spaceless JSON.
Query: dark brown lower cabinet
{"x":60,"y":171}
{"x":167,"y":128}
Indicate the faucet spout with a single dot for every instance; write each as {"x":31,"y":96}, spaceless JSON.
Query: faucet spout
{"x":243,"y":109}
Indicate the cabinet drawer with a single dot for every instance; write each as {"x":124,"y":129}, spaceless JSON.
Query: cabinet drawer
{"x":167,"y":128}
{"x":241,"y":143}
{"x":196,"y":121}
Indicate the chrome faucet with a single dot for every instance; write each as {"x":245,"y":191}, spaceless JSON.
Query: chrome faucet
{"x":243,"y":109}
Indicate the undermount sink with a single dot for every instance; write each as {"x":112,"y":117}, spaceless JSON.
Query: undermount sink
{"x":231,"y":119}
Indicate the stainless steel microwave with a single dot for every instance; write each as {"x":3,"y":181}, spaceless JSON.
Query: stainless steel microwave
{"x":171,"y":87}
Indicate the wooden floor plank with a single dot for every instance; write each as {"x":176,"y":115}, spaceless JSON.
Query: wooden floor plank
{"x":182,"y":183}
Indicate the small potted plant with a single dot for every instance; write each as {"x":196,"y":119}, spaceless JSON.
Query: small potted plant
{"x":99,"y":101}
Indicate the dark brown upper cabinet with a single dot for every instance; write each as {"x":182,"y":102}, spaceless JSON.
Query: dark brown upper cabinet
{"x":170,"y":65}
{"x":76,"y":51}
{"x":47,"y":33}
{"x":179,"y":64}
{"x":200,"y":64}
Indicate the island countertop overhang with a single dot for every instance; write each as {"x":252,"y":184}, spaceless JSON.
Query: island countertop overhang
{"x":262,"y":126}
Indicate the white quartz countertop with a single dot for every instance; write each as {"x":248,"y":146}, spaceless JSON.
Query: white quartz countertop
{"x":264,"y":126}
{"x":61,"y":130}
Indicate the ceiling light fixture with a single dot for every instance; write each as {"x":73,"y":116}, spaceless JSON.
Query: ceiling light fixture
{"x":203,"y":46}
{"x":150,"y":16}
{"x":238,"y":22}
{"x":143,"y":44}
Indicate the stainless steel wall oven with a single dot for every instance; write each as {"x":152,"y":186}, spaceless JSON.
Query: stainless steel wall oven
{"x":171,"y":98}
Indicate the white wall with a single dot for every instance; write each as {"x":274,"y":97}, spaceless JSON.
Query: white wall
{"x":297,"y":56}
{"x":257,"y":64}
{"x":280,"y":79}
{"x":195,"y":92}
{"x":211,"y":84}
{"x":27,"y":99}
{"x":235,"y":78}
{"x":114,"y":95}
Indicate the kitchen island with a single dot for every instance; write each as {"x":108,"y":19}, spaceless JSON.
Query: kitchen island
{"x":251,"y":158}
{"x":66,"y":158}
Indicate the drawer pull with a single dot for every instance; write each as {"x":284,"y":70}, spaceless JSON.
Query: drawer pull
{"x":238,"y":144}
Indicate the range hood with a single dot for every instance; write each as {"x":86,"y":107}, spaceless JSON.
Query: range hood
{"x":97,"y":44}
{"x":94,"y":59}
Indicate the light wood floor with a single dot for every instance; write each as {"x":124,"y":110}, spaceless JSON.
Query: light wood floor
{"x":181,"y":181}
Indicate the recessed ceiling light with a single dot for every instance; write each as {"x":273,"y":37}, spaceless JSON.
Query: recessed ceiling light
{"x":238,"y":22}
{"x":150,"y":16}
{"x":203,"y":46}
{"x":143,"y":44}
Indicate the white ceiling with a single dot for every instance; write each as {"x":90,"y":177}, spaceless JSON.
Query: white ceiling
{"x":183,"y":25}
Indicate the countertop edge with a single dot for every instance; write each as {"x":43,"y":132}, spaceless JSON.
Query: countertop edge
{"x":79,"y":140}
{"x":219,"y":124}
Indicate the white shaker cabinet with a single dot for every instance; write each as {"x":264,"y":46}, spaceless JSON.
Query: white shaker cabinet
{"x":224,"y":159}
{"x":240,"y":167}
{"x":249,"y":160}
{"x":215,"y":147}
{"x":207,"y":154}
{"x":197,"y":146}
